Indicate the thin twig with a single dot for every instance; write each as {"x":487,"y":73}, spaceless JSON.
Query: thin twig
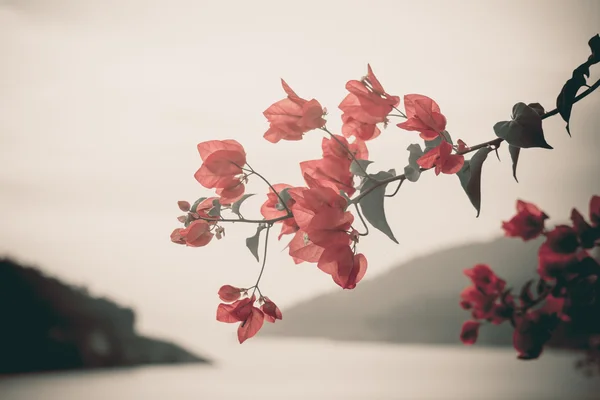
{"x":262,"y":268}
{"x":361,"y":220}
{"x":273,"y":189}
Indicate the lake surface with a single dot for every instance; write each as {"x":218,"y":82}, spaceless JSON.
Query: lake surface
{"x":319,"y":370}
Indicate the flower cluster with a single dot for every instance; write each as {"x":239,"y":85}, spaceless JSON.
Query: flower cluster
{"x":237,"y":306}
{"x":317,"y":215}
{"x":338,"y":192}
{"x":566,"y":288}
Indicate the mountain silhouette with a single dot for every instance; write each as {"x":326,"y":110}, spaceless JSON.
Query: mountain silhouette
{"x":49,"y":325}
{"x":416,"y":302}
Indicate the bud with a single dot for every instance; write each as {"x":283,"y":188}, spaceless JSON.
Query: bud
{"x":183,"y":205}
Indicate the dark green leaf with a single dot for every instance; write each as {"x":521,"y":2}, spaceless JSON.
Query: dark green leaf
{"x":412,"y":170}
{"x":470,"y":176}
{"x":504,"y":296}
{"x":285,"y":196}
{"x":432,"y":144}
{"x":215,"y":211}
{"x":541,"y":287}
{"x":235,"y":207}
{"x":372,"y":205}
{"x":358,"y":167}
{"x":252,"y":242}
{"x":594,"y":44}
{"x":200,"y":200}
{"x":566,"y":97}
{"x":514,"y":156}
{"x":525,"y":129}
{"x":447,"y":137}
{"x":525,"y":296}
{"x":537,"y":108}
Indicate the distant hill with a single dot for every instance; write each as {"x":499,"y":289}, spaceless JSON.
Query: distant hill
{"x":416,"y":302}
{"x":48,"y":325}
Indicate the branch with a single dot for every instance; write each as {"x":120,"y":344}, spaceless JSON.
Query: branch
{"x":249,"y":221}
{"x":495,"y":142}
{"x":273,"y":189}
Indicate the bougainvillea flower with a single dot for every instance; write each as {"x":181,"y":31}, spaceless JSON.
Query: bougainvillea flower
{"x":552,"y":264}
{"x":222,"y":161}
{"x":330,"y":169}
{"x":367,"y":102}
{"x":346,"y":268}
{"x":554,"y":305}
{"x":204,"y":207}
{"x":272,"y":209}
{"x":251,"y":325}
{"x":562,"y":239}
{"x":230,"y":293}
{"x":442,"y":159}
{"x":243,"y":311}
{"x":480,"y":304}
{"x":197,"y":234}
{"x":424,"y":116}
{"x":360,"y":130}
{"x":301,"y":249}
{"x":339,"y":148}
{"x":586,"y":233}
{"x":531,"y":334}
{"x":236,"y":312}
{"x":485,"y":279}
{"x":481,"y":298}
{"x":271,"y":311}
{"x":527,"y":224}
{"x":292,"y":117}
{"x":469,"y":332}
{"x":231,"y":191}
{"x":320,"y":213}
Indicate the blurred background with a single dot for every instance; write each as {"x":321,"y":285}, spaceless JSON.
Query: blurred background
{"x":102,"y":104}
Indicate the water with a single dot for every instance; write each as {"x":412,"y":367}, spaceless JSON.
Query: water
{"x":302,"y":369}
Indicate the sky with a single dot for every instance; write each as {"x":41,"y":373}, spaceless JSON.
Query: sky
{"x":102,"y":104}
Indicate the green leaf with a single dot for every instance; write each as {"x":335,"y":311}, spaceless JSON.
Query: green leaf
{"x":538,"y":108}
{"x":447,"y":136}
{"x":594,"y":44}
{"x":372,"y":204}
{"x":525,"y":129}
{"x":235,"y":207}
{"x":432,"y":144}
{"x":358,"y":167}
{"x":566,"y":97}
{"x":285,"y":196}
{"x":200,"y":200}
{"x":470,"y":176}
{"x":514,"y":156}
{"x":252,"y":242}
{"x":215,"y":211}
{"x":412,"y":170}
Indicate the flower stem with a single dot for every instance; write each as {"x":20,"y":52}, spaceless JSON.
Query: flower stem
{"x":262,"y":268}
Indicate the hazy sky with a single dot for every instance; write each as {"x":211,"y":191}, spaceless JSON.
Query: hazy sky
{"x":102,"y":104}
